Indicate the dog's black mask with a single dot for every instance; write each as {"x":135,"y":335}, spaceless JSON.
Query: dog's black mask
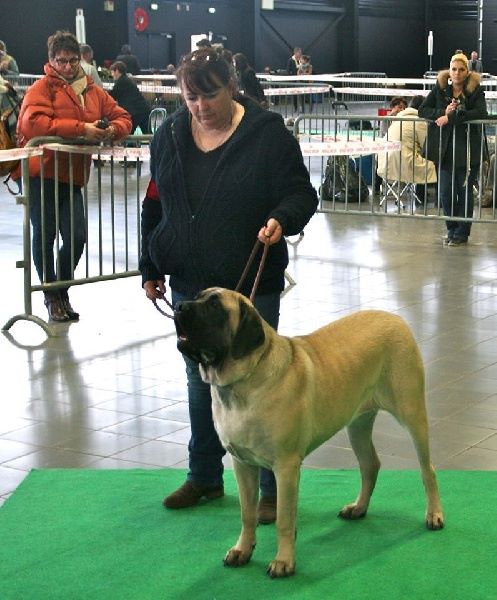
{"x":203,"y":330}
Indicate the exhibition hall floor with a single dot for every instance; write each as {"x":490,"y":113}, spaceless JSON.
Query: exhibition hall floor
{"x":110,"y":391}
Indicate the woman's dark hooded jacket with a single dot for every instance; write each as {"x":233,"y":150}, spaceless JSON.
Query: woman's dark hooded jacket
{"x":260,"y":175}
{"x":472,"y":107}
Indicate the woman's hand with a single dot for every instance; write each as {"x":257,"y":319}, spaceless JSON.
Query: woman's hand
{"x":441,"y":121}
{"x":452,"y":106}
{"x":154,"y":289}
{"x":93,"y":132}
{"x":271,"y":233}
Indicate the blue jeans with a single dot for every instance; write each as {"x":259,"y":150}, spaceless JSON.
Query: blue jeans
{"x":47,"y":249}
{"x":205,"y":450}
{"x":455,"y":206}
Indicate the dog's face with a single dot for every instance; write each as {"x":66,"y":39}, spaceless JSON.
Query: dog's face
{"x":217,"y":328}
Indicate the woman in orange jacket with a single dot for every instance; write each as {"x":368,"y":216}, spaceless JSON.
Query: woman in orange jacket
{"x":64,"y":103}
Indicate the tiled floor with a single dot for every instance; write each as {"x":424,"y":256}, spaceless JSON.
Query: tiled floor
{"x":109,"y":391}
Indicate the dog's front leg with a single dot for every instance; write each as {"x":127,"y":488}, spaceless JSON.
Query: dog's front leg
{"x":247,"y":478}
{"x":287,"y":485}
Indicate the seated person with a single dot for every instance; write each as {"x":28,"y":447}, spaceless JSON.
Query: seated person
{"x":396,"y":105}
{"x":408,"y":165}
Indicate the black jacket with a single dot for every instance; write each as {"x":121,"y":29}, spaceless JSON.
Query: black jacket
{"x":251,"y":86}
{"x":260,"y":174}
{"x":131,"y":62}
{"x":126,"y":93}
{"x":472,"y":107}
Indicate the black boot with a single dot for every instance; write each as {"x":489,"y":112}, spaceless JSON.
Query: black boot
{"x":56,"y":310}
{"x":71,"y":313}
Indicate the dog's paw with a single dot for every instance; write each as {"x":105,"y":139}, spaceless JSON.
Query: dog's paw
{"x":435,"y":520}
{"x":280,"y":568}
{"x":237,"y":558}
{"x":352,"y":511}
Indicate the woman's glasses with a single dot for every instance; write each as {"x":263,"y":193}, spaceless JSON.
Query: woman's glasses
{"x":62,"y":62}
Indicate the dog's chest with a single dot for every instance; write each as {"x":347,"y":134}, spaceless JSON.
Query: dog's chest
{"x":242,"y":434}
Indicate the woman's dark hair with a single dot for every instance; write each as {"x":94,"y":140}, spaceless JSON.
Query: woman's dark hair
{"x":204,"y":72}
{"x":416,"y":101}
{"x":227,"y":55}
{"x":62,"y":41}
{"x":241,"y":62}
{"x":119,"y":66}
{"x":397,"y":100}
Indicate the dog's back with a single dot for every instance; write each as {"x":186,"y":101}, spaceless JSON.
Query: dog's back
{"x":366,"y":361}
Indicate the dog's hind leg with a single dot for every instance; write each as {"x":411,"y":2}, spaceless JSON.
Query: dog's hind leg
{"x":418,"y":429}
{"x":360,"y":435}
{"x":247,"y":478}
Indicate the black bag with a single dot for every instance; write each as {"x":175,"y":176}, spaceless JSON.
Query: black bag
{"x":341,"y":178}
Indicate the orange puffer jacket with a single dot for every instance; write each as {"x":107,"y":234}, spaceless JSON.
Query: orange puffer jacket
{"x":51,"y":108}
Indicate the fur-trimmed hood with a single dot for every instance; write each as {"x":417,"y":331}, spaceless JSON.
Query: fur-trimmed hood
{"x":470,"y":85}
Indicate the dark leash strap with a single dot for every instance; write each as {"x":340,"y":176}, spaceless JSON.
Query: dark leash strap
{"x":163,"y":312}
{"x":259,"y":270}
{"x":239,"y":284}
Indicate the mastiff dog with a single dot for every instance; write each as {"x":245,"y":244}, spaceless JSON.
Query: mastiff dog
{"x":277,"y":398}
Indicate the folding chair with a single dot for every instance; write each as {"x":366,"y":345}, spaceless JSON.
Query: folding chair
{"x":397,"y":189}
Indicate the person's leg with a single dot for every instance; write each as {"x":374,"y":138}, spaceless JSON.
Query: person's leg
{"x":72,"y":226}
{"x":73,"y":233}
{"x":42,"y":241}
{"x":205,"y":450}
{"x":205,"y":475}
{"x":268,"y":306}
{"x":464,"y":204}
{"x":446,"y":199}
{"x":43,"y":238}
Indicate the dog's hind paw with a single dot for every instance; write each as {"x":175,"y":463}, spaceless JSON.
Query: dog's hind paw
{"x":435,"y":521}
{"x":352,"y":512}
{"x":237,"y":558}
{"x":280,"y":568}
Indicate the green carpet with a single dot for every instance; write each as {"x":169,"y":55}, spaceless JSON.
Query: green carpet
{"x":74,"y":534}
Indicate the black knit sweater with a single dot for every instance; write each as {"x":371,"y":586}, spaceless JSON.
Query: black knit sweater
{"x":260,"y":174}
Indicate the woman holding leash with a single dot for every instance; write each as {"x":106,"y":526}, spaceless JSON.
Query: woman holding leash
{"x":224,"y":172}
{"x":456,"y":98}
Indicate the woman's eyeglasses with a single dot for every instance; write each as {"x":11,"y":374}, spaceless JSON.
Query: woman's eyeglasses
{"x":62,"y":62}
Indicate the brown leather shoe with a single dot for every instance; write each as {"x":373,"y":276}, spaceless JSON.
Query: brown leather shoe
{"x":190,"y":493}
{"x":56,"y":312}
{"x":266,"y":511}
{"x":71,"y":313}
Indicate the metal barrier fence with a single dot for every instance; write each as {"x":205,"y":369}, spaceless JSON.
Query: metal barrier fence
{"x":344,"y":166}
{"x":363,"y":84}
{"x":294,"y":97}
{"x":112,"y":206}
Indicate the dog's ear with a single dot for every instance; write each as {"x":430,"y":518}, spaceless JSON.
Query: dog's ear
{"x":250,"y":332}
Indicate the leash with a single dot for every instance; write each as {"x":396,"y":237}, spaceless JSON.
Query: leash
{"x":259,"y":270}
{"x":239,"y":284}
{"x":163,"y":312}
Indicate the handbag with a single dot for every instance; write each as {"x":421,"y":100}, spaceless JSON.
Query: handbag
{"x":7,"y":142}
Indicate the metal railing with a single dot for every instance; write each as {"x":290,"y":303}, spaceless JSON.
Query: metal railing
{"x":331,"y":149}
{"x":112,"y":205}
{"x":329,"y":141}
